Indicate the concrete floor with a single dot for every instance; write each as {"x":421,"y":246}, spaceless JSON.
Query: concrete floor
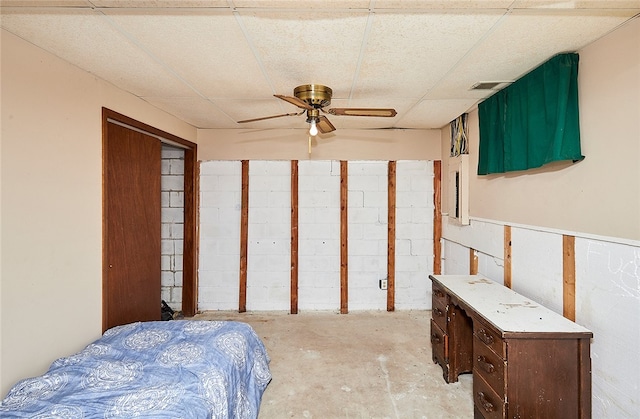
{"x":359,"y":365}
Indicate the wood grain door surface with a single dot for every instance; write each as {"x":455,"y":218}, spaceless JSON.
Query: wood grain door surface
{"x":131,"y":289}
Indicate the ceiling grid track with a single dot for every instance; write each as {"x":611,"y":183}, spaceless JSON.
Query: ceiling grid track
{"x":252,"y":46}
{"x":363,"y":47}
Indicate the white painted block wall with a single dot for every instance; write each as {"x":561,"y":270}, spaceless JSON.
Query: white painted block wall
{"x":269,"y":236}
{"x":608,"y":303}
{"x":367,"y":234}
{"x":536,"y":266}
{"x":219,"y":258}
{"x":269,"y":257}
{"x":414,"y":234}
{"x":607,"y":296}
{"x":172,"y":227}
{"x":319,"y":235}
{"x":455,"y":258}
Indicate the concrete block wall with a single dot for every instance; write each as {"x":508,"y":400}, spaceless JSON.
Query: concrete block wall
{"x":414,"y":234}
{"x":269,"y":235}
{"x":219,"y":256}
{"x":367,"y":233}
{"x":172,"y":228}
{"x":319,"y":235}
{"x":607,"y":295}
{"x":608,"y":303}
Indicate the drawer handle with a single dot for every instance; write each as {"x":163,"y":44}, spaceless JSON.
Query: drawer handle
{"x":486,"y":404}
{"x":485,"y":365}
{"x":438,"y":312}
{"x":485,"y":337}
{"x":435,"y":338}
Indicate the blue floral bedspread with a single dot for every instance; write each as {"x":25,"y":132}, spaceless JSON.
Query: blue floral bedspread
{"x":165,"y":369}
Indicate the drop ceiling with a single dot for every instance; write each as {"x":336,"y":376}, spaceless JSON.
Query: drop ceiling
{"x":214,"y":62}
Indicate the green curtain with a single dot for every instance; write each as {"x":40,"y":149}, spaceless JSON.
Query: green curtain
{"x":533,"y":121}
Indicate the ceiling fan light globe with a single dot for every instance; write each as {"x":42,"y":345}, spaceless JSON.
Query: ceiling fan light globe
{"x":313,"y":129}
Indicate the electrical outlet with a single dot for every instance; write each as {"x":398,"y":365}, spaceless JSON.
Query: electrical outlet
{"x":383,"y":284}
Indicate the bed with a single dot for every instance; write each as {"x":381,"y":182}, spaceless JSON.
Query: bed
{"x":164,"y":369}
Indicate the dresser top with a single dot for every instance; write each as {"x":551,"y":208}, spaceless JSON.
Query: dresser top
{"x":508,"y":311}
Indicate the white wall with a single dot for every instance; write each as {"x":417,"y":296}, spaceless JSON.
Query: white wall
{"x":269,"y":233}
{"x":608,"y":281}
{"x":51,"y":173}
{"x":319,"y":235}
{"x":414,"y":234}
{"x":219,"y":260}
{"x":172,"y":232}
{"x":367,"y":234}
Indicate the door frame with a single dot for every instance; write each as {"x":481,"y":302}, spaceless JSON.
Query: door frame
{"x":191,"y":188}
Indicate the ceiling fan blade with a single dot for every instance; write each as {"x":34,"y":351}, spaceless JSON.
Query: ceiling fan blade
{"x":295,"y":101}
{"x":324,"y":125}
{"x":269,"y":117}
{"x":380,"y":112}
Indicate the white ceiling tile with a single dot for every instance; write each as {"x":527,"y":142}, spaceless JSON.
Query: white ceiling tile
{"x":161,"y":3}
{"x":521,"y":42}
{"x":435,"y":113}
{"x":86,"y":39}
{"x":196,"y":111}
{"x":442,"y":4}
{"x":214,"y":62}
{"x":306,"y":47}
{"x":45,"y":3}
{"x":300,"y":4}
{"x":407,"y":54}
{"x":206,"y":49}
{"x":577,"y":4}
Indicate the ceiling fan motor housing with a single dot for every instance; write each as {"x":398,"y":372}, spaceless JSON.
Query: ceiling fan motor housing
{"x":315,"y":95}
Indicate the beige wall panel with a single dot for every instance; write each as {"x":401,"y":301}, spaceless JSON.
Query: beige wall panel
{"x":342,"y":144}
{"x":599,"y":195}
{"x":51,"y":173}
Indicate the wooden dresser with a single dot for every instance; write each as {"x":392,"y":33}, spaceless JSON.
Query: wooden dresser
{"x":527,"y":361}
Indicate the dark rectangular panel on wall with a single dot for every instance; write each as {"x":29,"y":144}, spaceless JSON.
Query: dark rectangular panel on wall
{"x":391,"y":236}
{"x":344,"y":239}
{"x":244,"y":232}
{"x":294,"y":237}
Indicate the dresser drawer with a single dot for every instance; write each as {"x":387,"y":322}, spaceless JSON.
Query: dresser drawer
{"x":489,"y":337}
{"x":439,"y":345}
{"x":488,"y":365}
{"x":486,"y":401}
{"x":439,"y":314}
{"x":439,"y":295}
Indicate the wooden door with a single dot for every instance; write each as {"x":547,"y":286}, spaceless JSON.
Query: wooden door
{"x":131,"y":283}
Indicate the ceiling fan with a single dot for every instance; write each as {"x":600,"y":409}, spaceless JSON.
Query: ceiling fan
{"x":312,"y":99}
